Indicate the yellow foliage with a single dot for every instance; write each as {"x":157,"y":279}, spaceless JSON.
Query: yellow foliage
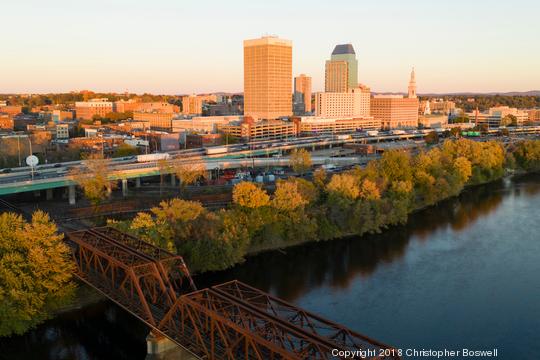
{"x":249,"y":195}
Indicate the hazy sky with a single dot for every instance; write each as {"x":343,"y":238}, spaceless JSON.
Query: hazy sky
{"x":184,"y":46}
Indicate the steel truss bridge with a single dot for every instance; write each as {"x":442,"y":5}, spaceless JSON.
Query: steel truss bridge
{"x":231,"y":321}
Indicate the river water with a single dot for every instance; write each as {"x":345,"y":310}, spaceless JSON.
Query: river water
{"x":462,"y":274}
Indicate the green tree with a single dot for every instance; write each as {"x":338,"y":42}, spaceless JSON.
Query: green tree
{"x":35,"y":272}
{"x":300,"y":161}
{"x":509,"y":120}
{"x":164,"y":168}
{"x":527,"y":155}
{"x":125,"y":150}
{"x":432,"y":138}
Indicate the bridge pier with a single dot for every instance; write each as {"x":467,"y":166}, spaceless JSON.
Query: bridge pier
{"x":124,"y":187}
{"x":71,"y":194}
{"x":138,"y":182}
{"x":49,"y":194}
{"x":173,"y":179}
{"x":158,"y":347}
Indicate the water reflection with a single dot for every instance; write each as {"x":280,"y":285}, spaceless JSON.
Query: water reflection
{"x":290,"y":273}
{"x":100,"y":331}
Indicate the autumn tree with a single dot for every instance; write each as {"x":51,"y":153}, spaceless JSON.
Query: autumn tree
{"x":344,"y":185}
{"x":300,"y":161}
{"x":319,"y":177}
{"x":189,"y":171}
{"x":94,"y":178}
{"x":287,"y":197}
{"x":248,"y":195}
{"x":35,"y":272}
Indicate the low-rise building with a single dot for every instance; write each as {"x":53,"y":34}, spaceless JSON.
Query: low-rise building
{"x":395,"y":111}
{"x":61,"y":115}
{"x":157,"y":120}
{"x":86,"y":110}
{"x":193,"y":104}
{"x":249,"y":129}
{"x":62,"y":131}
{"x":499,"y":116}
{"x":355,"y":102}
{"x":6,"y":122}
{"x":322,"y":125}
{"x":203,"y":124}
{"x":11,"y":109}
{"x":534,"y":115}
{"x":433,"y":121}
{"x":156,"y":106}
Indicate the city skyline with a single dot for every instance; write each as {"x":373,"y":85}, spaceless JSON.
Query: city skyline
{"x":171,"y":48}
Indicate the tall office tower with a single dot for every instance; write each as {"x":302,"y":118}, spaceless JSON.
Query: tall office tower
{"x":341,"y":72}
{"x":267,"y":78}
{"x":302,"y":94}
{"x":412,"y":85}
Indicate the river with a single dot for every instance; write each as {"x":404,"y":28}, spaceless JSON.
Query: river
{"x":462,"y":274}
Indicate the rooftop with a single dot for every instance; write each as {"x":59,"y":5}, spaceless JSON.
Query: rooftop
{"x":343,"y":49}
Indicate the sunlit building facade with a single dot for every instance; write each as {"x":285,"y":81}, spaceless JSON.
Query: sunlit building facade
{"x":267,"y":78}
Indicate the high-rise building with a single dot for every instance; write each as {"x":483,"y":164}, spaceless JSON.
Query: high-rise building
{"x":412,"y":86}
{"x":302,"y":94}
{"x":355,"y":102}
{"x":267,"y":78}
{"x":341,"y":71}
{"x":336,"y":76}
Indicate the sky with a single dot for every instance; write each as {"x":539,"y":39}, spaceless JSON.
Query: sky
{"x":187,"y":46}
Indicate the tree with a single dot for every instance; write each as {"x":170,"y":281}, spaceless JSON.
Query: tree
{"x":125,"y":150}
{"x":344,"y":185}
{"x":249,"y":195}
{"x":189,"y":171}
{"x":456,"y":131}
{"x":300,"y":161}
{"x":94,"y":178}
{"x":509,"y":120}
{"x":432,"y":138}
{"x":35,"y":272}
{"x":287,"y":197}
{"x":164,"y":167}
{"x":320,"y":177}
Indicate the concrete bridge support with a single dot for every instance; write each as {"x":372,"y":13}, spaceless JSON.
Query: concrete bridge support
{"x":71,"y":194}
{"x":173,"y":179}
{"x":124,"y":187}
{"x":158,"y":347}
{"x":49,"y":194}
{"x":138,"y":182}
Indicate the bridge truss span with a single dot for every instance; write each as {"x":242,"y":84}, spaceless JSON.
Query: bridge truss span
{"x":231,"y":321}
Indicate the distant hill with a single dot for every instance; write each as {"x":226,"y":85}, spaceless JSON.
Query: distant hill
{"x":509,"y":93}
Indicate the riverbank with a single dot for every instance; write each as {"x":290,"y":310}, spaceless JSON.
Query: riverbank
{"x":355,"y":202}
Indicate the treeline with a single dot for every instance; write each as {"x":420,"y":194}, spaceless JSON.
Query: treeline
{"x":484,"y":102}
{"x":36,"y":100}
{"x":355,"y":202}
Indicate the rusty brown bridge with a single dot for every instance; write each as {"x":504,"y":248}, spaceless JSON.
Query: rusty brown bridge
{"x":229,"y":321}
